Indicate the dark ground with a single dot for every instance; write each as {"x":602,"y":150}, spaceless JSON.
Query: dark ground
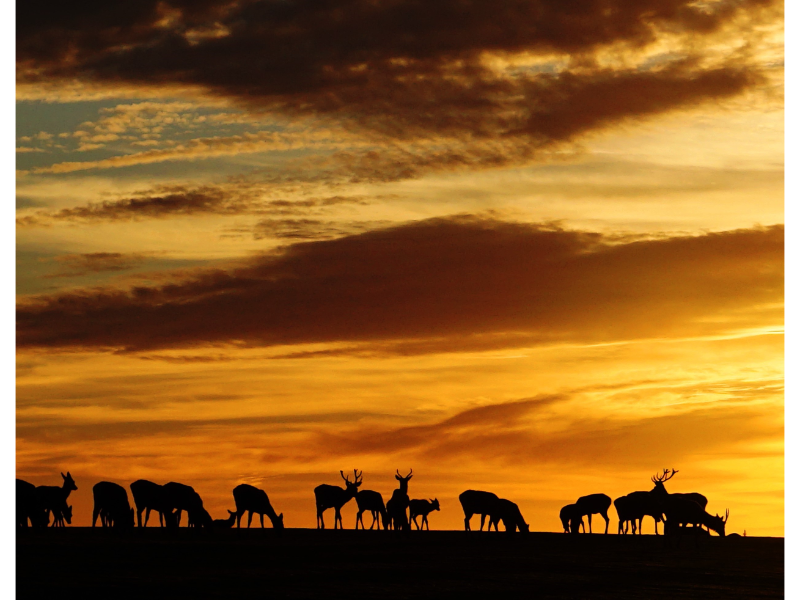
{"x":84,"y":563}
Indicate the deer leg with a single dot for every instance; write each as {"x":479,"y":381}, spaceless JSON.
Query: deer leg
{"x":605,"y":516}
{"x":262,"y":520}
{"x":483,"y":520}
{"x":425,"y":522}
{"x":249,"y":518}
{"x":95,"y":514}
{"x":590,"y":523}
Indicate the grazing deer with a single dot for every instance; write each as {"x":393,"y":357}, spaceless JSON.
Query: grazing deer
{"x":60,"y":514}
{"x":29,"y":507}
{"x":624,"y":507}
{"x":475,"y":502}
{"x":150,"y":496}
{"x":182,"y":497}
{"x":423,"y":508}
{"x":681,"y":512}
{"x":112,"y":500}
{"x":331,"y":496}
{"x":371,"y":501}
{"x":199,"y":517}
{"x":254,"y":500}
{"x":567,"y":514}
{"x":507,"y":512}
{"x":398,"y":503}
{"x":591,"y":505}
{"x":226,"y":523}
{"x":54,"y":499}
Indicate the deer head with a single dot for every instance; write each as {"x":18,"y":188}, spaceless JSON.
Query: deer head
{"x":403,"y":480}
{"x":68,"y":515}
{"x":69,"y":482}
{"x":717,"y":523}
{"x":352,"y":487}
{"x":278,"y":524}
{"x":434,"y":503}
{"x":660,"y":479}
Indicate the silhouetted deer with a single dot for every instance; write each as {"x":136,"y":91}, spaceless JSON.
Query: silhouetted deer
{"x":54,"y":499}
{"x":398,"y":503}
{"x":475,"y":502}
{"x":254,"y":500}
{"x":507,"y":512}
{"x":331,"y":496}
{"x":422,"y":508}
{"x":62,"y":514}
{"x":644,"y":504}
{"x":182,"y":497}
{"x":29,"y":507}
{"x":567,"y":514}
{"x":593,"y":504}
{"x":369,"y":500}
{"x":112,"y":500}
{"x":681,"y":512}
{"x":625,"y":514}
{"x":150,"y":496}
{"x":226,"y":523}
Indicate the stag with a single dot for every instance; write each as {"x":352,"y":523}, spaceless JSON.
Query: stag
{"x":591,"y":505}
{"x":29,"y":507}
{"x":398,"y":503}
{"x":624,"y":507}
{"x":681,"y":512}
{"x":475,"y":502}
{"x":422,"y":508}
{"x":331,"y":496}
{"x":254,"y":500}
{"x":371,"y":501}
{"x":112,"y":500}
{"x":54,"y":499}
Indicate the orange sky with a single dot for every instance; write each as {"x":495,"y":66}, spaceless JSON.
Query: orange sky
{"x":534,"y":250}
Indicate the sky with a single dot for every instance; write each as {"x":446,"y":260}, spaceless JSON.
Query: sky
{"x":534,"y":248}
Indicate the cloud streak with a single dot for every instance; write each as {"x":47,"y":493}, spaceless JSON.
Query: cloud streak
{"x":439,"y":283}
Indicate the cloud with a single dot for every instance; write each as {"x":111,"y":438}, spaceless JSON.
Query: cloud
{"x":411,"y":70}
{"x":439,"y":283}
{"x":76,"y":265}
{"x":522,"y":433}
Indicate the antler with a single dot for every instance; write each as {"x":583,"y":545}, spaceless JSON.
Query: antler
{"x":727,"y":514}
{"x":665,"y":476}
{"x":409,"y":474}
{"x":357,"y":475}
{"x":347,"y":479}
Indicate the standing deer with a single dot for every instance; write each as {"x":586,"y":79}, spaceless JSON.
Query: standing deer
{"x":422,"y":508}
{"x":54,"y":499}
{"x":398,"y":503}
{"x":331,"y":496}
{"x":591,"y":505}
{"x":371,"y":501}
{"x":112,"y":500}
{"x":29,"y":507}
{"x":254,"y":500}
{"x":682,"y":511}
{"x":624,"y":507}
{"x":150,"y":496}
{"x":475,"y":502}
{"x":644,"y":504}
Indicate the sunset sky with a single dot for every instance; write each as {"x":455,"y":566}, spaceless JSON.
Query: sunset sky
{"x":530,"y":247}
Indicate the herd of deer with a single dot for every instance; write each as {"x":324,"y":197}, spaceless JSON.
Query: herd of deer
{"x":35,"y":504}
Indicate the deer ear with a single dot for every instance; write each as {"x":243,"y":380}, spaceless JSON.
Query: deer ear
{"x":62,"y":475}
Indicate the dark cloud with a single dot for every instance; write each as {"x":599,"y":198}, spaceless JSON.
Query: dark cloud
{"x":402,"y":68}
{"x":515,"y":433}
{"x":441,"y":283}
{"x":76,"y":265}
